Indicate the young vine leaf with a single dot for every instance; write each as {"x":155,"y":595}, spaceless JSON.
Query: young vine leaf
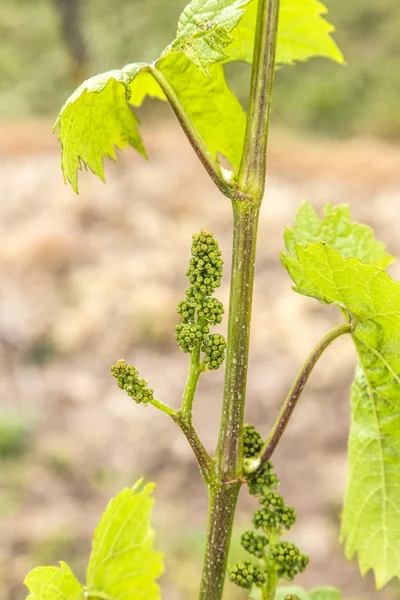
{"x":337,"y":230}
{"x":204,"y":30}
{"x":98,"y":118}
{"x":53,"y":583}
{"x":303,"y":32}
{"x":371,"y":299}
{"x":122,"y":562}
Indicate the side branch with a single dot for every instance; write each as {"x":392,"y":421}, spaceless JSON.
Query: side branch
{"x":205,"y":462}
{"x":292,"y":398}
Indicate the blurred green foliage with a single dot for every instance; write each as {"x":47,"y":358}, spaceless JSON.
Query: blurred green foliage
{"x":16,"y":432}
{"x":36,"y":74}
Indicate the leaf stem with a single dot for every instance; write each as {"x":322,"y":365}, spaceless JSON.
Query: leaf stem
{"x":293,"y":396}
{"x":207,"y":160}
{"x":252,"y":171}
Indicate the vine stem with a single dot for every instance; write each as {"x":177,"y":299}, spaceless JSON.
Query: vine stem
{"x":224,"y":492}
{"x":293,"y":397}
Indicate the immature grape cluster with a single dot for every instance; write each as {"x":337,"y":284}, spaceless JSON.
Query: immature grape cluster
{"x":128,"y":379}
{"x":254,"y":543}
{"x":205,"y":270}
{"x":190,"y":336}
{"x":275,"y":558}
{"x":246,"y":574}
{"x":214,"y":349}
{"x":252,"y":441}
{"x":274,"y":514}
{"x":200,"y":310}
{"x":289,"y":560}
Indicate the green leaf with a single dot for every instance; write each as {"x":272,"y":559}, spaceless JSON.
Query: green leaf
{"x":325,"y":593}
{"x":122,"y":562}
{"x":338,"y":231}
{"x":204,"y":30}
{"x":53,"y":583}
{"x":303,"y":33}
{"x":96,"y":119}
{"x":210,"y":104}
{"x":144,"y":85}
{"x":371,"y":515}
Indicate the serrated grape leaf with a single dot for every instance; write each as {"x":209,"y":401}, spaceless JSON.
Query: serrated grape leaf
{"x":325,"y":593}
{"x":338,"y":231}
{"x":210,"y":104}
{"x":95,"y":119}
{"x":371,"y":514}
{"x":53,"y":583}
{"x":303,"y":32}
{"x":204,"y":30}
{"x":123,"y":563}
{"x":144,"y":85}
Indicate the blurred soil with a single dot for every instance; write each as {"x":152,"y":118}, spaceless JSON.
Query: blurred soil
{"x":88,"y":279}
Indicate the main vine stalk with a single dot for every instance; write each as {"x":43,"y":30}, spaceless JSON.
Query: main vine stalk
{"x":224,"y":491}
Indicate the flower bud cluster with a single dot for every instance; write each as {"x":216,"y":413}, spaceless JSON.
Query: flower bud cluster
{"x":275,"y":515}
{"x":246,"y":574}
{"x":283,"y":558}
{"x":252,"y":441}
{"x":263,"y":481}
{"x":254,"y":543}
{"x":128,"y":379}
{"x":205,"y":271}
{"x":190,"y":336}
{"x":199,"y":310}
{"x":289,"y":560}
{"x":214,"y":349}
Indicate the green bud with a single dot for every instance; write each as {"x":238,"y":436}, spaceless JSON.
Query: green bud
{"x":252,"y":441}
{"x":211,"y":310}
{"x":127,"y":377}
{"x":289,"y":560}
{"x":214,"y":348}
{"x":205,"y":271}
{"x":246,"y":574}
{"x":275,"y":515}
{"x":254,"y":543}
{"x":190,"y":336}
{"x":263,"y":481}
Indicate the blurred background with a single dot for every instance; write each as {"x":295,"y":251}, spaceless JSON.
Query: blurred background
{"x":88,"y":279}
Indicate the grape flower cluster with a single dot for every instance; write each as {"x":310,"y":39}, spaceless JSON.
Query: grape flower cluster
{"x":276,"y":558}
{"x":200,"y":310}
{"x":128,"y":379}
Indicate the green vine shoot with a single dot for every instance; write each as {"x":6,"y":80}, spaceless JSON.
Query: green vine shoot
{"x":332,"y":259}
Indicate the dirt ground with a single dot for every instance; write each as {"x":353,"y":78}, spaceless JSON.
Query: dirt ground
{"x":88,"y":279}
